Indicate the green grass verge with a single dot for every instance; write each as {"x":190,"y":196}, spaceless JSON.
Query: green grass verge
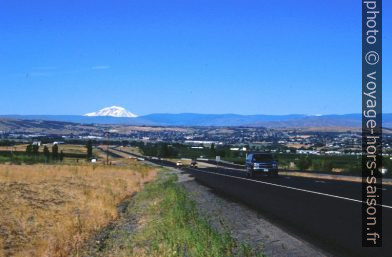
{"x":171,"y":226}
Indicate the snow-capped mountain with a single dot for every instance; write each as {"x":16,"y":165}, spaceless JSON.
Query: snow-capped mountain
{"x":113,"y":111}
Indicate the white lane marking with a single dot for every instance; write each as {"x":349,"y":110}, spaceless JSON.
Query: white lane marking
{"x":319,"y":181}
{"x":293,"y":188}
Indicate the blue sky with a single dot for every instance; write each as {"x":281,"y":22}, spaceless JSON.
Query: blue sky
{"x":245,"y":57}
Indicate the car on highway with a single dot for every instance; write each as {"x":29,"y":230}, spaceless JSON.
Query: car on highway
{"x":179,"y":163}
{"x":261,"y":163}
{"x":194,"y":164}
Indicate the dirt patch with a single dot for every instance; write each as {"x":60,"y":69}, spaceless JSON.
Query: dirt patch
{"x":126,"y":224}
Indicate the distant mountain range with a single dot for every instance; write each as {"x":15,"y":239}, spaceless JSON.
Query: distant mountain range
{"x":193,"y":119}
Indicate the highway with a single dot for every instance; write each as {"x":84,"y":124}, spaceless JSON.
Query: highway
{"x":326,"y":213}
{"x":323,"y":212}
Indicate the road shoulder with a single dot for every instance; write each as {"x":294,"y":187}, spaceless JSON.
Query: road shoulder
{"x":244,"y":224}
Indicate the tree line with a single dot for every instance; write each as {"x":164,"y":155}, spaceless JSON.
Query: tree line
{"x":55,"y":155}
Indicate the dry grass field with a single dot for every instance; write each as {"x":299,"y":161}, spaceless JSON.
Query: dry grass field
{"x":21,"y":147}
{"x":50,"y":210}
{"x":68,"y":148}
{"x":134,"y":150}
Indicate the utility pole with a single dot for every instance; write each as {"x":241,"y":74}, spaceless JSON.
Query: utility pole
{"x":12,"y":153}
{"x":107,"y":155}
{"x":107,"y":148}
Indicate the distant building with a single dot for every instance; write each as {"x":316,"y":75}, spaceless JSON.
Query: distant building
{"x":37,"y":143}
{"x":200,"y":142}
{"x":309,"y":152}
{"x":333,"y":152}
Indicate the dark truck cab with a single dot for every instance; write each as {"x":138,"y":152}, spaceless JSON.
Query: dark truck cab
{"x":261,"y":163}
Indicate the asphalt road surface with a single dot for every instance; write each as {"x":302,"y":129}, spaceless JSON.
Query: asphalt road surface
{"x":324,"y":212}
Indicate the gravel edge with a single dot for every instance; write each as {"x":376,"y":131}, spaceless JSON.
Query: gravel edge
{"x":244,"y":224}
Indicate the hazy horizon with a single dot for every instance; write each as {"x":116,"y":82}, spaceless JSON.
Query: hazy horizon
{"x":175,"y":113}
